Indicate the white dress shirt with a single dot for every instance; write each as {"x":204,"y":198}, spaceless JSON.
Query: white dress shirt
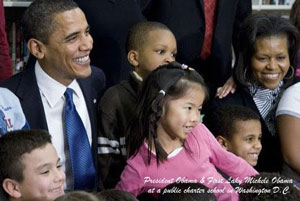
{"x":52,"y":94}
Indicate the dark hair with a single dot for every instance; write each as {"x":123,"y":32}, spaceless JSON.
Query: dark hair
{"x":295,"y":14}
{"x":138,"y":34}
{"x":221,"y":122}
{"x":77,"y":196}
{"x":165,"y":82}
{"x":115,"y":195}
{"x":38,"y":19}
{"x":186,"y":192}
{"x":259,"y":26}
{"x":268,"y":187}
{"x":13,"y":145}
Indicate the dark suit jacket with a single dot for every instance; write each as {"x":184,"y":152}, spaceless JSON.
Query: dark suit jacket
{"x":270,"y":158}
{"x":186,"y":19}
{"x":110,"y":21}
{"x":24,"y":86}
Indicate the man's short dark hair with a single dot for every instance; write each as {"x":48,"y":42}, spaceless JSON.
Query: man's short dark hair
{"x":38,"y":19}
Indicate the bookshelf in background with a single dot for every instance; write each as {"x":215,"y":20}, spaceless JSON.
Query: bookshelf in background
{"x":273,"y":5}
{"x":17,"y":46}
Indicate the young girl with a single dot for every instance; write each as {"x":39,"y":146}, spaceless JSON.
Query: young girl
{"x":167,"y":143}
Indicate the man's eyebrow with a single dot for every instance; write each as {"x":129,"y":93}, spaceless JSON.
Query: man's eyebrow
{"x":68,"y":37}
{"x":71,"y":35}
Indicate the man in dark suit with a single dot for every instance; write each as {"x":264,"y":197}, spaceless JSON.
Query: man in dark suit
{"x":187,"y":19}
{"x":57,"y":35}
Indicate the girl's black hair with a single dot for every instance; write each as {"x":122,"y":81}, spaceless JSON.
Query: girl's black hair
{"x":174,"y":81}
{"x":259,"y":26}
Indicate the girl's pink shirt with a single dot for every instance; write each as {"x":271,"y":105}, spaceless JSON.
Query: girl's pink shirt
{"x":196,"y":162}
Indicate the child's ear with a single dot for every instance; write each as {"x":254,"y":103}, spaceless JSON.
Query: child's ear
{"x":223,"y":142}
{"x":132,"y":57}
{"x":12,"y":188}
{"x":36,"y":48}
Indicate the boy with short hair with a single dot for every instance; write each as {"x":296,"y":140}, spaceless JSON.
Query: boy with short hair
{"x":238,"y":130}
{"x":30,"y":167}
{"x":149,"y":45}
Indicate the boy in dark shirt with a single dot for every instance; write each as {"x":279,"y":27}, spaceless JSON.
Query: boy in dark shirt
{"x":149,"y":45}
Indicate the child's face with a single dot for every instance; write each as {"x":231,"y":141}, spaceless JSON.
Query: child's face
{"x":181,"y":115}
{"x":159,"y":49}
{"x":44,"y":178}
{"x":246,"y":140}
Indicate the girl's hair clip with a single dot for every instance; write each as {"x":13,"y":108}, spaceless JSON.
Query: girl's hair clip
{"x":184,"y":67}
{"x":162,"y":92}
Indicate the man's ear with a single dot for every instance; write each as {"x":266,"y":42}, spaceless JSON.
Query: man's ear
{"x":36,"y":48}
{"x":11,"y":187}
{"x":223,"y":142}
{"x":132,"y":57}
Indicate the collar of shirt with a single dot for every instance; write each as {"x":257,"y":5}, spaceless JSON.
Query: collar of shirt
{"x":51,"y":89}
{"x":137,"y":76}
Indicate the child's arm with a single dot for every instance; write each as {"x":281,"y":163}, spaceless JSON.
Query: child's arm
{"x":111,"y":157}
{"x":130,"y":181}
{"x":227,"y":162}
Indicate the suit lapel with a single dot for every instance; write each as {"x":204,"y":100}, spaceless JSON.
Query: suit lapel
{"x":30,"y":98}
{"x":91,"y":104}
{"x":89,"y":99}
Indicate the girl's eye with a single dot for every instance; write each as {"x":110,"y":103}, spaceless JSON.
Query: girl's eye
{"x":59,"y":166}
{"x":174,"y":55}
{"x":87,"y":31}
{"x":188,"y":108}
{"x":45,"y":172}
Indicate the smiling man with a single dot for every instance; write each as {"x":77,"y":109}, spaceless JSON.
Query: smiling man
{"x":60,"y":92}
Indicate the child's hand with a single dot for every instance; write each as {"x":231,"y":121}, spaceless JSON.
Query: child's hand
{"x":228,"y":87}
